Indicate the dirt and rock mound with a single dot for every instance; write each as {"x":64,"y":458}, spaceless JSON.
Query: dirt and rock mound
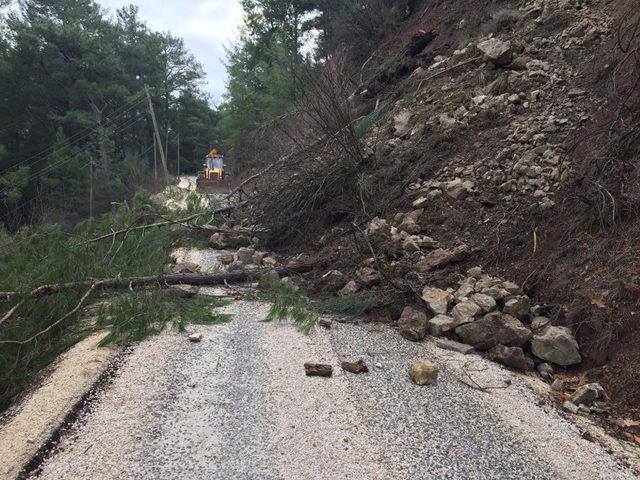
{"x":467,"y":207}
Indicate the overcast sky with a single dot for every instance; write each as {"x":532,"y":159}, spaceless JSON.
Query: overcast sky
{"x":206,"y":26}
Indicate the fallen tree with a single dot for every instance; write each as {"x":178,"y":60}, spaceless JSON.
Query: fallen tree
{"x":162,"y":280}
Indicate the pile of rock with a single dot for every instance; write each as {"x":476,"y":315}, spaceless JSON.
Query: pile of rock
{"x":587,"y":399}
{"x":245,"y":258}
{"x":493,"y":315}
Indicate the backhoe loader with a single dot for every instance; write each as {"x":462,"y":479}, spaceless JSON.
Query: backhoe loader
{"x":213,"y":173}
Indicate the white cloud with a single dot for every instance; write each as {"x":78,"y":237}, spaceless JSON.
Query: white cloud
{"x":207,"y":26}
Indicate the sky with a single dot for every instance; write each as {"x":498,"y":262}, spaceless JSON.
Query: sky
{"x":206,"y":26}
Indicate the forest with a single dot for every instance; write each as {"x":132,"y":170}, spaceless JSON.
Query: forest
{"x":75,"y":129}
{"x":74,"y":117}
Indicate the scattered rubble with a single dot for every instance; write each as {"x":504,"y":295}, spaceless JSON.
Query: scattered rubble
{"x":355,"y":367}
{"x":318,"y":370}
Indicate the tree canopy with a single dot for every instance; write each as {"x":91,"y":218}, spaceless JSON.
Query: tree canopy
{"x":73,"y":115}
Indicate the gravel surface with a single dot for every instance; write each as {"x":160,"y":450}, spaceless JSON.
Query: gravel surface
{"x":238,"y":406}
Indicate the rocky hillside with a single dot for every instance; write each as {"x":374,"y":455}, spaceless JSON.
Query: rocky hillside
{"x":479,"y":190}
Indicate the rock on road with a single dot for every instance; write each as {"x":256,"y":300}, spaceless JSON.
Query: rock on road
{"x":238,"y":406}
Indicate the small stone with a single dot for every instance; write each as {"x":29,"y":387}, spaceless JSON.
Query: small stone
{"x":269,"y":279}
{"x":424,"y":373}
{"x":225,"y":257}
{"x":570,"y":407}
{"x":496,"y":51}
{"x":485,"y":302}
{"x":379,"y":366}
{"x":465,"y":312}
{"x":557,"y":385}
{"x":355,"y":367}
{"x":269,"y":262}
{"x":332,"y":281}
{"x":420,"y":202}
{"x":245,"y":255}
{"x":546,"y":370}
{"x":367,"y":276}
{"x":513,"y":357}
{"x":325,"y":322}
{"x":195,"y":337}
{"x":349,"y":289}
{"x":184,"y":268}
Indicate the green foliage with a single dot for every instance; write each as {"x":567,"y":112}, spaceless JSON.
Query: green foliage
{"x":48,"y":255}
{"x":264,"y":65}
{"x":76,"y":80}
{"x":133,"y":317}
{"x":202,"y":311}
{"x":289,"y":303}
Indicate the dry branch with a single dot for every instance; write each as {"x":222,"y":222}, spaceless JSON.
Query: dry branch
{"x":144,"y":227}
{"x":94,"y":285}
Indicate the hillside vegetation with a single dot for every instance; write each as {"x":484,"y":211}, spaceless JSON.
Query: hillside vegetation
{"x":427,"y":149}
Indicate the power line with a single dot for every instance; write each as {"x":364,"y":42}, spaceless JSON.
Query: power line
{"x":81,"y":135}
{"x":125,"y":126}
{"x":39,"y":196}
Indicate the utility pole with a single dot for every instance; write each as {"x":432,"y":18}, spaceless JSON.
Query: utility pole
{"x":90,"y":187}
{"x":155,"y":158}
{"x":157,"y":135}
{"x":178,"y":154}
{"x":166,"y":145}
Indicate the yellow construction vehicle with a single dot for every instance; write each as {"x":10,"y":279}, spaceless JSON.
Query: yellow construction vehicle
{"x":213,"y":171}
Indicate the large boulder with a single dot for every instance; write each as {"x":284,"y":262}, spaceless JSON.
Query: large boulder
{"x":517,"y":306}
{"x":587,"y":394}
{"x":440,"y":258}
{"x":413,"y":324}
{"x":513,"y":357}
{"x":437,"y":300}
{"x":494,"y":329}
{"x":441,"y":324}
{"x":556,"y":345}
{"x":496,"y":51}
{"x":245,"y":255}
{"x":465,"y":312}
{"x":423,"y":372}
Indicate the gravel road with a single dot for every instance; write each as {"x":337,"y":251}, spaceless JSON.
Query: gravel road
{"x":238,"y":406}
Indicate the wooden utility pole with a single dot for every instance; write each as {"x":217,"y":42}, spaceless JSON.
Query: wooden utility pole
{"x":157,"y":135}
{"x":90,"y":187}
{"x":155,"y":158}
{"x":178,"y":154}
{"x":166,"y":145}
